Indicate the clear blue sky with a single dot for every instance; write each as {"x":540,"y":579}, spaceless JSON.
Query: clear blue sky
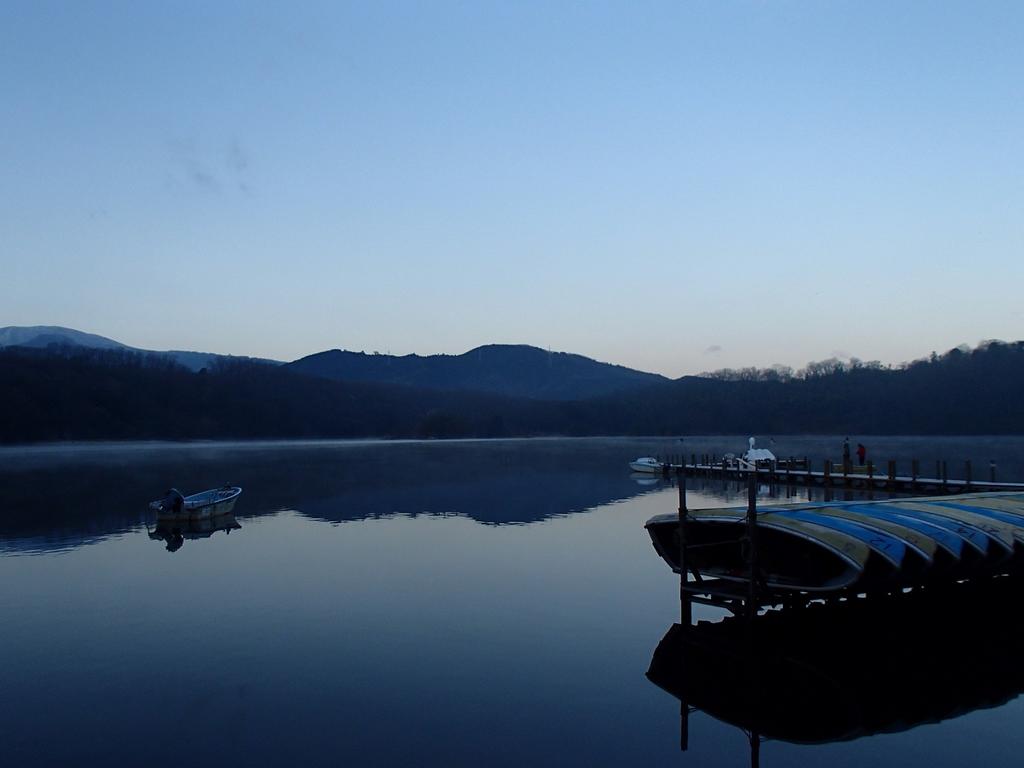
{"x":675,"y":186}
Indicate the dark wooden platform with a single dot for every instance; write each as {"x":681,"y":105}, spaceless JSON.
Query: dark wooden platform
{"x":856,"y":477}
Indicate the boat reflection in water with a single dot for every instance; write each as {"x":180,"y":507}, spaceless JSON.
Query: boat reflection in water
{"x":839,"y":671}
{"x":174,"y":531}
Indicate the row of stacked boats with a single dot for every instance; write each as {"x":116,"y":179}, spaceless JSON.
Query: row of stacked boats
{"x":861,"y":545}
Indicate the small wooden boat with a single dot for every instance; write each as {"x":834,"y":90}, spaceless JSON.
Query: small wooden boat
{"x":198,"y":506}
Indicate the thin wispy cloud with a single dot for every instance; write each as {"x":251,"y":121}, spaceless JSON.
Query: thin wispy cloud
{"x":237,"y":160}
{"x":714,"y":349}
{"x":204,"y":170}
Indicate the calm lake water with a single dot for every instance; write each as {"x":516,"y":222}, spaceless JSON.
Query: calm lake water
{"x":417,"y":603}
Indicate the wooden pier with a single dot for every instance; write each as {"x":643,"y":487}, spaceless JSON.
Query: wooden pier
{"x":832,"y":475}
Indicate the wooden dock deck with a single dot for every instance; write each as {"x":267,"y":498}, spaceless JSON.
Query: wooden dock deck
{"x":854,"y":477}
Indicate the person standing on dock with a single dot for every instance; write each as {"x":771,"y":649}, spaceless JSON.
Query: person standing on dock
{"x":846,"y":454}
{"x":861,"y":453}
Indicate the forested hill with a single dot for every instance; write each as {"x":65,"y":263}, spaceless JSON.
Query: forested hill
{"x":961,"y":392}
{"x":515,"y":370}
{"x":76,"y":394}
{"x":80,"y":394}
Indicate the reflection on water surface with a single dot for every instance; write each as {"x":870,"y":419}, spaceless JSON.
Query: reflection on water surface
{"x":475,"y":603}
{"x":175,"y":532}
{"x":847,"y":669}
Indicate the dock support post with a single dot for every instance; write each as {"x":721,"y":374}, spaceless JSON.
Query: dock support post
{"x":685,"y":609}
{"x":684,"y":725}
{"x":992,"y":470}
{"x":685,"y":614}
{"x":871,"y":475}
{"x":967,"y":475}
{"x":945,"y":478}
{"x":752,"y":542}
{"x":827,"y":478}
{"x":892,"y":474}
{"x":914,"y":472}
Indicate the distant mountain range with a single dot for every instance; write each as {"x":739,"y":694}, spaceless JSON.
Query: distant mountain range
{"x":56,"y":385}
{"x":42,"y":336}
{"x":503,"y":369}
{"x":45,"y":335}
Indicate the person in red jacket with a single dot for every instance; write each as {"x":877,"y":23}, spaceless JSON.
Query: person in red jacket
{"x":861,"y":453}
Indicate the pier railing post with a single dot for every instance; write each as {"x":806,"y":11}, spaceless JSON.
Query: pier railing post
{"x":945,"y":478}
{"x":967,"y":475}
{"x":828,"y":473}
{"x":914,"y":472}
{"x":892,"y":474}
{"x":992,"y":470}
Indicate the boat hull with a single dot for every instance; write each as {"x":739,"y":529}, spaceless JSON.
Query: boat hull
{"x":866,"y":545}
{"x":793,"y":555}
{"x":201,"y":506}
{"x":647,"y":465}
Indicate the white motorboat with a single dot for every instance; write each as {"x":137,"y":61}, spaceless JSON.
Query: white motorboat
{"x":647,"y":464}
{"x":198,"y":506}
